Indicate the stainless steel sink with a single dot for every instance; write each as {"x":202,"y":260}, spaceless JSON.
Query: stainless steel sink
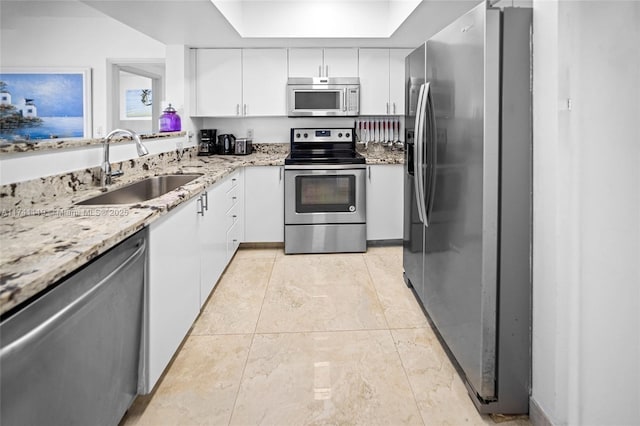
{"x":143,"y":190}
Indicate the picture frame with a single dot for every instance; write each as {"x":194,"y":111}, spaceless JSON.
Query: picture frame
{"x":138,"y":104}
{"x":45,"y":103}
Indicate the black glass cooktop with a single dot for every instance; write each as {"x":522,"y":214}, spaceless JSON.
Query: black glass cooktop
{"x":324,"y":157}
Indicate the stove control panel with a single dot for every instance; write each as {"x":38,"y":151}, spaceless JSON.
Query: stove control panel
{"x":322,"y":135}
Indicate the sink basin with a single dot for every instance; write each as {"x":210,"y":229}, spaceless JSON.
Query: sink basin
{"x":143,"y":190}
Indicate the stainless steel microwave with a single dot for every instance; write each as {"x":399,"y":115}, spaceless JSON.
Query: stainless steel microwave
{"x":323,"y":97}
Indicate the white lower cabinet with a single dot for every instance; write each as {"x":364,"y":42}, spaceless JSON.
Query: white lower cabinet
{"x":264,"y":204}
{"x":385,"y":201}
{"x":212,"y":238}
{"x":234,"y":216}
{"x":173,"y":297}
{"x":189,"y":248}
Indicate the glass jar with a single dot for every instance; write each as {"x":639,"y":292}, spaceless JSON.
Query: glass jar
{"x":170,"y":120}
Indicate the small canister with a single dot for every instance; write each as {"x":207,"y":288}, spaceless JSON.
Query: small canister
{"x":170,"y":120}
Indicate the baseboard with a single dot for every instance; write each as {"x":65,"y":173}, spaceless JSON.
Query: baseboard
{"x":383,"y":243}
{"x":262,"y":245}
{"x":537,"y":416}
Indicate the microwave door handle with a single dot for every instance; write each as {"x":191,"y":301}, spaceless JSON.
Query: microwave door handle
{"x":344,"y":99}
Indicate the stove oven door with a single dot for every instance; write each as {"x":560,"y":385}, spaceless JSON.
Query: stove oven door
{"x":324,"y":195}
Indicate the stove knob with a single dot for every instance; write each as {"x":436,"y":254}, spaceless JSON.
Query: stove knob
{"x":348,"y":135}
{"x":306,"y":135}
{"x":339,"y":135}
{"x":297,"y":135}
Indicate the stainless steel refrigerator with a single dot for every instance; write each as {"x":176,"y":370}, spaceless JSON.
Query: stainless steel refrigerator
{"x":467,"y":222}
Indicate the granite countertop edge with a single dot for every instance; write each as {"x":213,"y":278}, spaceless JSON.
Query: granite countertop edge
{"x":40,"y":249}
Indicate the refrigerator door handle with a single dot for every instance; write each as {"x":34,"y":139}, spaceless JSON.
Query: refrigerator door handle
{"x":431,"y":144}
{"x":419,"y":154}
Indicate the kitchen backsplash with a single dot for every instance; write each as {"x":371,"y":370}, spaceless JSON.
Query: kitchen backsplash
{"x":30,"y":192}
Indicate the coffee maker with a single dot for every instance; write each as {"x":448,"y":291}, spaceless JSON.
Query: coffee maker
{"x":207,"y":143}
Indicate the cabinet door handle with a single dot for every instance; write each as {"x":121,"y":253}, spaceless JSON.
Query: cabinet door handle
{"x":279,"y":174}
{"x":394,"y":108}
{"x":245,"y":109}
{"x":326,"y":74}
{"x":319,"y":70}
{"x":369,"y":167}
{"x":205,"y":206}
{"x":200,"y":210}
{"x":237,"y":109}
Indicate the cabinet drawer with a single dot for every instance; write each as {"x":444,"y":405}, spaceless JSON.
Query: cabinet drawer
{"x":232,"y":181}
{"x":233,"y":239}
{"x":232,"y":215}
{"x":231,"y":198}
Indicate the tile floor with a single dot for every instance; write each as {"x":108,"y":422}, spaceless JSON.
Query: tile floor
{"x":311,"y":339}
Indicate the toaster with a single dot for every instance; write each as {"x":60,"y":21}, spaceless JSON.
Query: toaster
{"x":244,"y":146}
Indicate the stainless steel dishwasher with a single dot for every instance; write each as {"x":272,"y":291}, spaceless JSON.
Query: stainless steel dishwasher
{"x":72,"y":356}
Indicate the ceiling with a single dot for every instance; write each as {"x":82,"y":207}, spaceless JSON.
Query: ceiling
{"x":198,"y":23}
{"x":316,"y":18}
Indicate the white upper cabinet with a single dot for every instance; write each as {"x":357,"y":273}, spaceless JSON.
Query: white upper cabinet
{"x":397,"y":84}
{"x":240,"y":82}
{"x":218,"y":82}
{"x":341,"y":62}
{"x":264,"y":82}
{"x":338,"y":62}
{"x":305,"y":62}
{"x":374,"y":81}
{"x":382,"y":81}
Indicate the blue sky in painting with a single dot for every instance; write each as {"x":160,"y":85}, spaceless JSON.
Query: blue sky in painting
{"x":55,"y":95}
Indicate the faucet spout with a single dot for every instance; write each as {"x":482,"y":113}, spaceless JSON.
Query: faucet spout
{"x":105,"y":178}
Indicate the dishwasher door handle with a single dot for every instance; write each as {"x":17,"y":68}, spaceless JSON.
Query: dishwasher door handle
{"x":68,"y":310}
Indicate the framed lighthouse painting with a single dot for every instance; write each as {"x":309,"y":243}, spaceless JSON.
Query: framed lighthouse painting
{"x":38,"y":104}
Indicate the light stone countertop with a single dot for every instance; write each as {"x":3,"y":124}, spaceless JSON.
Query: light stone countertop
{"x":45,"y":237}
{"x":19,"y":146}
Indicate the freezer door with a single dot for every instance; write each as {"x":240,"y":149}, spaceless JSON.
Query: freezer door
{"x":413,"y":238}
{"x":460,"y":260}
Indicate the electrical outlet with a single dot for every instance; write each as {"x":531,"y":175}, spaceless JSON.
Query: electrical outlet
{"x":249,"y":133}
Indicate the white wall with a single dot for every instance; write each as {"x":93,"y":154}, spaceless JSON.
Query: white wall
{"x":586,"y":278}
{"x":70,"y":34}
{"x":278,"y":129}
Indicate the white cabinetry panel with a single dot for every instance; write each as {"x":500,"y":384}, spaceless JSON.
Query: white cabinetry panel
{"x":218,"y":82}
{"x":382,"y":82}
{"x":340,"y":62}
{"x":174,"y":291}
{"x":385,"y":201}
{"x":264,"y":80}
{"x":374,"y":81}
{"x":337,"y":62}
{"x":305,"y":62}
{"x":397,"y":84}
{"x":264,"y":204}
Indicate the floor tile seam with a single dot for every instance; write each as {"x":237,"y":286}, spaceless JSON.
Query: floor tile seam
{"x":406,"y":375}
{"x":253,"y":336}
{"x":221,"y":334}
{"x":377,"y":294}
{"x":263,"y":333}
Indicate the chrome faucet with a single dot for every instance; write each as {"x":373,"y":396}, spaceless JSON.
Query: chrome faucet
{"x":107,"y":173}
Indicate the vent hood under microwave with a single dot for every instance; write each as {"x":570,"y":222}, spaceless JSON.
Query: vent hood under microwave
{"x":323,"y":97}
